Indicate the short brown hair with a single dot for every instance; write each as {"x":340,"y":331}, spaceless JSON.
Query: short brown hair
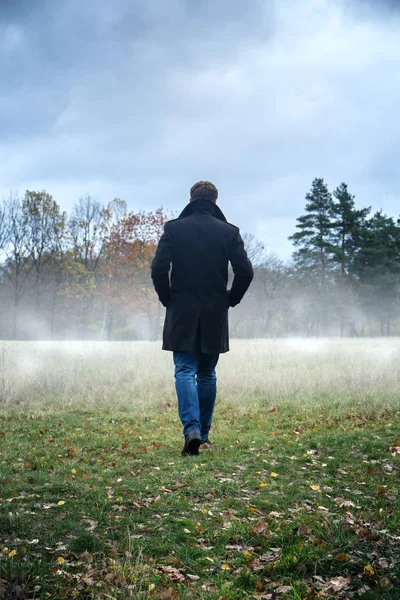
{"x":204,"y":190}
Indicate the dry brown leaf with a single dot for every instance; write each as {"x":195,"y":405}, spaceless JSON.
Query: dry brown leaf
{"x":260,"y":528}
{"x":167,"y":594}
{"x":173,"y":573}
{"x":382,"y":563}
{"x":342,"y":557}
{"x":255,"y":511}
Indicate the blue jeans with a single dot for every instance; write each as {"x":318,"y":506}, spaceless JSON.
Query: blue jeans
{"x":196,"y":388}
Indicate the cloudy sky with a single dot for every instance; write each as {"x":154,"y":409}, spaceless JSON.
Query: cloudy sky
{"x":138,"y":99}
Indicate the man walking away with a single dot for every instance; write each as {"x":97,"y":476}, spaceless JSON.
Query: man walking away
{"x":199,"y":244}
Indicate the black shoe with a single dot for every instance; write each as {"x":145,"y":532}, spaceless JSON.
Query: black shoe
{"x":192,"y":443}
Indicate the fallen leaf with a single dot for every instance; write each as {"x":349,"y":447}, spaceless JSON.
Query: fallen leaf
{"x":60,"y":516}
{"x":226,"y":567}
{"x":255,"y":511}
{"x":315,"y":488}
{"x":342,"y":557}
{"x":338,"y":583}
{"x":168,"y":594}
{"x":61,"y":502}
{"x":261,"y":527}
{"x":273,"y":474}
{"x":173,"y":573}
{"x":383,"y":563}
{"x":369,"y":571}
{"x":341,"y":502}
{"x":303,"y":531}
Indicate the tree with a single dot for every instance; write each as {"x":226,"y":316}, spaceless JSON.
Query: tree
{"x":3,"y":227}
{"x":18,"y":260}
{"x":313,"y":258}
{"x":88,"y":227}
{"x":254,"y":248}
{"x":377,"y":268}
{"x":127,"y":285}
{"x":347,"y":226}
{"x":314,"y":236}
{"x":45,"y":228}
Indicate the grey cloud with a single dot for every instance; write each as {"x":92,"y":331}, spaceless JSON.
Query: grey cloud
{"x":145,"y":97}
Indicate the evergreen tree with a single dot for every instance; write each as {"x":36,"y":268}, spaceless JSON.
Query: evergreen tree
{"x":377,"y":266}
{"x":314,"y":236}
{"x":313,"y":258}
{"x":348,"y":226}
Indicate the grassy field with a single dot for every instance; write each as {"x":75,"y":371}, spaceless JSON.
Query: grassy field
{"x":298,"y":498}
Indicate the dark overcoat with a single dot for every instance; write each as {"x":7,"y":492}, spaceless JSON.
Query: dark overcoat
{"x":199,"y":244}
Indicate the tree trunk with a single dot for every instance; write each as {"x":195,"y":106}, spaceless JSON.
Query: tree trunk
{"x":15,"y":314}
{"x":38,"y":292}
{"x":110,"y":323}
{"x":53,"y":314}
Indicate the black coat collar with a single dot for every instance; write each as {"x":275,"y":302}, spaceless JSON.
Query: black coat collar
{"x":203,"y":207}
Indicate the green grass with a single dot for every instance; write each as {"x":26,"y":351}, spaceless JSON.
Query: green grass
{"x":295,"y":504}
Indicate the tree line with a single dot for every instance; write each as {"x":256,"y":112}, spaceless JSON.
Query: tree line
{"x":343,"y":279}
{"x":82,"y":276}
{"x":86,"y":275}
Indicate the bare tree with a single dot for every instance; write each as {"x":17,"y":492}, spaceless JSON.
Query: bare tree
{"x":18,"y":258}
{"x":45,"y":227}
{"x":3,"y":228}
{"x":88,"y":227}
{"x":254,"y":248}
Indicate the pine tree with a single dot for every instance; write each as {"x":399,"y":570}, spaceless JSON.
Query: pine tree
{"x":348,"y":225}
{"x":313,"y":258}
{"x":314,"y":236}
{"x":377,"y":266}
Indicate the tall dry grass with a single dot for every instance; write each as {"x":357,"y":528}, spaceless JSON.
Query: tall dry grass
{"x":134,"y":376}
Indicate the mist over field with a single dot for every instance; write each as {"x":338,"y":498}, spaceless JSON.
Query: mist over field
{"x":362,"y":375}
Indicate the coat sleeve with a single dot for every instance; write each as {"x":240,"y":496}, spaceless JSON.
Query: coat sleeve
{"x":160,"y":267}
{"x":242,"y":269}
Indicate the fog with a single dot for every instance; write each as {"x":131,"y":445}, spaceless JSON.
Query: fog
{"x":359,"y":375}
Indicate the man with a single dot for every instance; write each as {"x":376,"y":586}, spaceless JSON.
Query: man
{"x":199,"y":243}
